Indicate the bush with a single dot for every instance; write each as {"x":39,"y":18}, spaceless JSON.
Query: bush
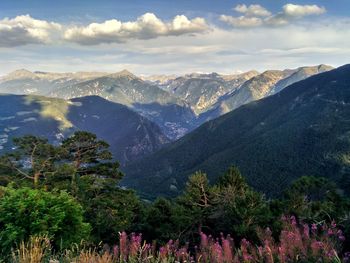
{"x":26,"y":212}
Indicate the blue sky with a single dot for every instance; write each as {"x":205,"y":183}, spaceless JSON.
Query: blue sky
{"x":166,"y":37}
{"x":60,"y":10}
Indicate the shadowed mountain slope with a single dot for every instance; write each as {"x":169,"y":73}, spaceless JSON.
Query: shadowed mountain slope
{"x":129,"y":134}
{"x":303,"y":130}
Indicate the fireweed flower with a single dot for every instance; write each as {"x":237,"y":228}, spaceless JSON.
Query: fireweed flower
{"x":298,"y":242}
{"x":163,"y":253}
{"x":227,"y":250}
{"x":123,"y":245}
{"x":204,"y":240}
{"x":116,"y":252}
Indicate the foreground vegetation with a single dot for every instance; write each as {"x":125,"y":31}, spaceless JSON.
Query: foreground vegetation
{"x":55,"y":197}
{"x":297,"y":243}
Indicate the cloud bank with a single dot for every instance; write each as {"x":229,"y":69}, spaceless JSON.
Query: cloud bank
{"x":256,"y":15}
{"x":252,"y":10}
{"x":221,"y":50}
{"x":302,"y":10}
{"x":23,"y":30}
{"x":146,"y":26}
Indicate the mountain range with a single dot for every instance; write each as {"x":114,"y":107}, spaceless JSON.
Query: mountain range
{"x":260,"y":86}
{"x":41,"y":83}
{"x":301,"y":130}
{"x":170,"y":113}
{"x":177,"y":105}
{"x":202,"y":91}
{"x":275,"y":126}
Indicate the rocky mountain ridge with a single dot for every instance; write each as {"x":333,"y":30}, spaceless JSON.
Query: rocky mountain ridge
{"x":178,"y":104}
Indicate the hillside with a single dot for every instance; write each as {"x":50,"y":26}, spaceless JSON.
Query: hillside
{"x":202,"y":91}
{"x":259,"y":86}
{"x":255,"y":88}
{"x":129,"y":134}
{"x":169,"y":112}
{"x":172,"y":114}
{"x":299,"y":74}
{"x":303,"y":130}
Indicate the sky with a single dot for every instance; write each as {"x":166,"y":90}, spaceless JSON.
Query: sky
{"x":150,"y":37}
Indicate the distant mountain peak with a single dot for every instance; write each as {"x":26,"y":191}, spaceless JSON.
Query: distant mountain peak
{"x":271,"y":72}
{"x":324,"y":67}
{"x":21,"y":71}
{"x":242,"y":75}
{"x":160,"y":79}
{"x":20,"y":74}
{"x":202,"y":75}
{"x":320,"y":67}
{"x":123,"y":73}
{"x":250,"y":72}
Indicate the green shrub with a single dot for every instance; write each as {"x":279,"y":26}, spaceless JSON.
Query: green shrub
{"x":26,"y":212}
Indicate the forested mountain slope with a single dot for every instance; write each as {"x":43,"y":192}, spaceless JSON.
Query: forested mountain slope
{"x":303,"y":130}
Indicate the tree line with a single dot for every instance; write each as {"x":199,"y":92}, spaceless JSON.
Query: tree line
{"x":70,"y":192}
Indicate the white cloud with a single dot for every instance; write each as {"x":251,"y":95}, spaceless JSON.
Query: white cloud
{"x":279,"y":19}
{"x":241,"y":21}
{"x":146,"y":26}
{"x":252,"y":10}
{"x":220,"y":50}
{"x":302,"y":10}
{"x":253,"y":15}
{"x":292,"y":12}
{"x":24,"y":29}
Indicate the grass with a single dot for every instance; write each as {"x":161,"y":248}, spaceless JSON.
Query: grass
{"x":36,"y":250}
{"x":297,"y":242}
